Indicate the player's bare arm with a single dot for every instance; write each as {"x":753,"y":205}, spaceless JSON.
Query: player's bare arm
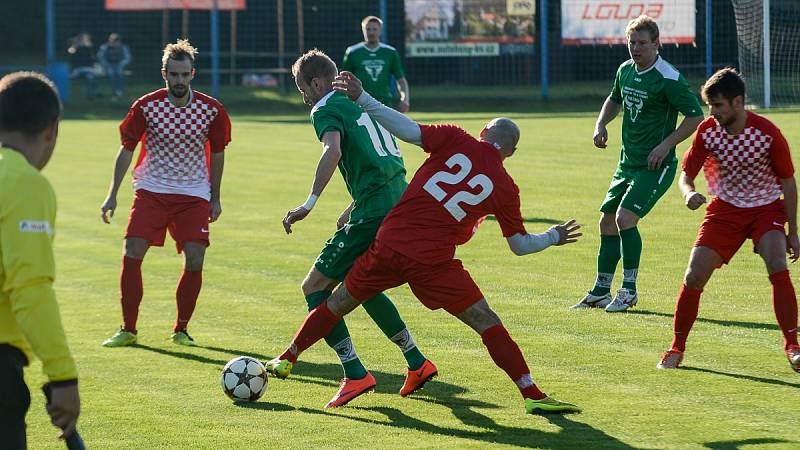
{"x":608,"y":112}
{"x":789,"y":187}
{"x":121,"y":166}
{"x":345,"y":216}
{"x":331,"y":154}
{"x":686,"y":129}
{"x":217,"y":166}
{"x":405,"y":95}
{"x":566,"y":233}
{"x":691,"y":197}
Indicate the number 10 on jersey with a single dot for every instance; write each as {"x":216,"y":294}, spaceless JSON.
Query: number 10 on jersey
{"x":373,"y":128}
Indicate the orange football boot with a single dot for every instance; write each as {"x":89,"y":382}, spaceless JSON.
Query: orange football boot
{"x":415,"y":379}
{"x":350,"y":389}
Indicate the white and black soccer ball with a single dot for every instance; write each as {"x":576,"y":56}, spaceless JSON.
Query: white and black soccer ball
{"x":244,"y":379}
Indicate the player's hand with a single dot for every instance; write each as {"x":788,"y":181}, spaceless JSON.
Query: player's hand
{"x":793,"y":246}
{"x":107,"y":209}
{"x":64,"y":408}
{"x":568,"y":232}
{"x":600,"y":136}
{"x":657,"y":156}
{"x":216,"y":210}
{"x":293,"y":216}
{"x":343,"y":218}
{"x":403,"y":106}
{"x":694,"y":200}
{"x":348,"y":84}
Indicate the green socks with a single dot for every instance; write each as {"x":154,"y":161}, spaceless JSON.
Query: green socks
{"x":386,"y":316}
{"x":339,"y":340}
{"x":607,"y":259}
{"x":631,"y":253}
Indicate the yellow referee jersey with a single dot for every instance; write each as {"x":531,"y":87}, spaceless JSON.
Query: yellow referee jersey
{"x":29,"y":317}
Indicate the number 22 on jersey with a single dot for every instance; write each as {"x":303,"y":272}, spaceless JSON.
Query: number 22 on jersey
{"x":453,"y":205}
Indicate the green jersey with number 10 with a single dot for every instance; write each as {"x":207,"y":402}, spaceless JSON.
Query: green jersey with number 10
{"x":371,"y":163}
{"x":651,"y":100}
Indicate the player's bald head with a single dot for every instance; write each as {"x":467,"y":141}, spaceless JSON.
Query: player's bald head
{"x":502,"y":132}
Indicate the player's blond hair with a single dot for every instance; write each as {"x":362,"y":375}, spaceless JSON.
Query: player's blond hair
{"x":369,"y":19}
{"x":643,"y":23}
{"x":314,"y":64}
{"x":178,"y":51}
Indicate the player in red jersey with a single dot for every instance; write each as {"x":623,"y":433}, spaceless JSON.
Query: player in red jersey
{"x":177,"y":179}
{"x":747,"y":166}
{"x":461,"y":182}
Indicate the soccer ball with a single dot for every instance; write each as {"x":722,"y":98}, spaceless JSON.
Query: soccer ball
{"x":244,"y":379}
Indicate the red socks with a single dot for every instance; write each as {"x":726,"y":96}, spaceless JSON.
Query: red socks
{"x":784,"y":302}
{"x":186,"y":295}
{"x":506,"y":354}
{"x":319,"y":322}
{"x":130,"y":284}
{"x":686,"y":309}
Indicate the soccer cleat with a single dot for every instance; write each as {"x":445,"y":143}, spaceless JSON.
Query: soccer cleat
{"x":415,"y":379}
{"x":549,"y":405}
{"x":350,"y":389}
{"x":625,"y":299}
{"x":121,"y":338}
{"x":670,"y":359}
{"x":281,"y":368}
{"x":793,"y":353}
{"x":181,"y":337}
{"x":593,"y":301}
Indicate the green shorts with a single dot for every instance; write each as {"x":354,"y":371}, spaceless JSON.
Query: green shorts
{"x":638,"y":190}
{"x":347,"y":244}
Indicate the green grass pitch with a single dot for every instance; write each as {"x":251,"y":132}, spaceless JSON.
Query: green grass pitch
{"x":735,"y":390}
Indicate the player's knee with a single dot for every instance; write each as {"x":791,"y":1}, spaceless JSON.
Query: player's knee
{"x":608,"y":225}
{"x":625,"y":219}
{"x":775,"y":263}
{"x":315,"y":282}
{"x":135,"y":248}
{"x":694,"y":280}
{"x":194,"y":255}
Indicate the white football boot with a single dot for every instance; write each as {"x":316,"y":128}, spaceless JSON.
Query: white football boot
{"x":625,"y":299}
{"x":593,"y":301}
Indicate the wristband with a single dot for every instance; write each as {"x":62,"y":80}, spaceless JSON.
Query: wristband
{"x":310,"y":202}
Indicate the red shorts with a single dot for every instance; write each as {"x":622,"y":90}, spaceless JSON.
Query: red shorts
{"x":445,"y":285}
{"x":185,"y":216}
{"x":725,"y":227}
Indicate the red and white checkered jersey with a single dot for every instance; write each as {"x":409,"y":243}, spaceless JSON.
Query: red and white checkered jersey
{"x":742,"y":169}
{"x":176,"y":142}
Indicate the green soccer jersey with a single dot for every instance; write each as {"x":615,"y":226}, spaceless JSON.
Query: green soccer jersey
{"x":651,"y":100}
{"x":371,"y":163}
{"x":373,"y":67}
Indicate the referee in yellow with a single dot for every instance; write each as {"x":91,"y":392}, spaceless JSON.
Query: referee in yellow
{"x":30,"y":323}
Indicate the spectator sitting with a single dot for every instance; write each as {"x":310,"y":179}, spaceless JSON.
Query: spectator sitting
{"x":114,"y":56}
{"x":82,"y":59}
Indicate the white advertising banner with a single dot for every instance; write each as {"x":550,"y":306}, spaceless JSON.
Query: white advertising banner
{"x":604,"y":21}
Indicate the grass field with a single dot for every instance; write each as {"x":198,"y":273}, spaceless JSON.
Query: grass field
{"x":735,"y":390}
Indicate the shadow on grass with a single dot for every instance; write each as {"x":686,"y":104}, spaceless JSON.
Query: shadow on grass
{"x":724,"y":323}
{"x":486,"y":430}
{"x":743,"y":377}
{"x":733,"y":445}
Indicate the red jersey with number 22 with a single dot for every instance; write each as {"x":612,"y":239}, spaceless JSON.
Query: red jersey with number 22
{"x":462,"y":181}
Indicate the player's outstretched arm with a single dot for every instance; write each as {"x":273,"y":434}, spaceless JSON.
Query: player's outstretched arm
{"x":692,"y":198}
{"x":524,"y":244}
{"x":331,"y":154}
{"x":789,"y":187}
{"x":395,"y":122}
{"x":121,"y":166}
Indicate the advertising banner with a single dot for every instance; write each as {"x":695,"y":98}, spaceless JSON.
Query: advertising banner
{"x":157,"y":5}
{"x":604,"y":21}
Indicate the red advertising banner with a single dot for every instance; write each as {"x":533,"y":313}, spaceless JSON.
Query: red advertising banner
{"x":157,"y":5}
